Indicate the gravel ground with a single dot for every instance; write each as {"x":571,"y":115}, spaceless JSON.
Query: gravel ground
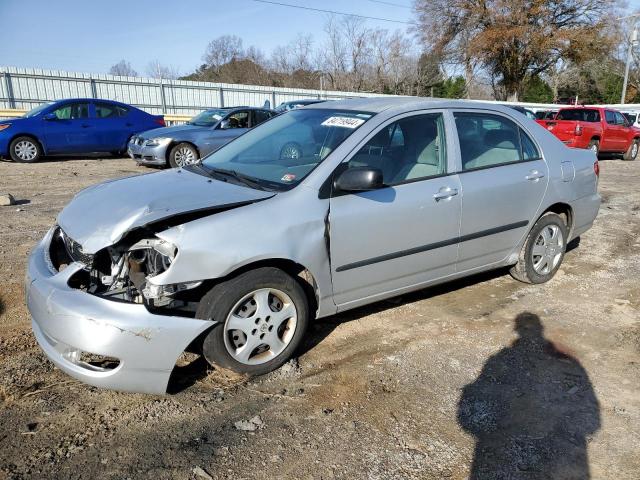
{"x":481,"y":378}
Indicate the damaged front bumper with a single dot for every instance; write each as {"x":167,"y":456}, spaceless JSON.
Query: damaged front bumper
{"x":72,"y":325}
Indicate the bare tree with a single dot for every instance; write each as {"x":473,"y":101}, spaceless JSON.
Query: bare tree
{"x":223,"y":50}
{"x":123,"y":68}
{"x":512,"y":39}
{"x":157,"y":70}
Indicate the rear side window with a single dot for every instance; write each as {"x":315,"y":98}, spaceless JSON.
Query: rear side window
{"x":620,"y":120}
{"x":108,"y":110}
{"x":261,"y":116}
{"x":488,"y":140}
{"x":580,"y":114}
{"x":529,"y":149}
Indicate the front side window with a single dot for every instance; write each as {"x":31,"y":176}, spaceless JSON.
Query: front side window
{"x":610,"y":117}
{"x":488,"y":140}
{"x":208,"y":118}
{"x":279,"y":153}
{"x":238,"y":119}
{"x":72,"y":111}
{"x":620,"y":120}
{"x":405,"y":150}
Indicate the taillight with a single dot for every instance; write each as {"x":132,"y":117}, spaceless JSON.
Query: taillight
{"x":596,"y":168}
{"x":578,"y":129}
{"x":159,"y":121}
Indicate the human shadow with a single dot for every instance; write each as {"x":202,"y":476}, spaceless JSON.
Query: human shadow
{"x":531,"y":410}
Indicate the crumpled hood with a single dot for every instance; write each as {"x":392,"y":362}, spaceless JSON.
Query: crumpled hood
{"x":100,"y":215}
{"x":170,"y":132}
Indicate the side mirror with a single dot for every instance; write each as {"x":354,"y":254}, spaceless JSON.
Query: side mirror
{"x":50,"y":116}
{"x":359,"y":179}
{"x":225,"y":125}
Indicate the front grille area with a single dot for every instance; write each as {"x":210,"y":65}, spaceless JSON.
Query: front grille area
{"x":74,"y":249}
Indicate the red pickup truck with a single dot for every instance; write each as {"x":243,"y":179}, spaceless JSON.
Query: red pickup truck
{"x":596,"y":128}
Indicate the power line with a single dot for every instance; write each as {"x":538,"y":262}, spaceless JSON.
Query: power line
{"x":321,"y":10}
{"x":391,"y":4}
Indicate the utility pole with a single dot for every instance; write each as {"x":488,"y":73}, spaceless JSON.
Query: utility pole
{"x":632,"y":41}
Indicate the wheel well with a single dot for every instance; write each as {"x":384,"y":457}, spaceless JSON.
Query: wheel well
{"x":297,"y":271}
{"x":30,"y":135}
{"x":595,"y":137}
{"x":564,"y":211}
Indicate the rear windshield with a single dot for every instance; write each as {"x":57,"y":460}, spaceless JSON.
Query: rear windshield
{"x":581,"y":114}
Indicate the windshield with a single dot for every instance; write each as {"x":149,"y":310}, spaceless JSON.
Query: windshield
{"x":281,"y":152}
{"x":37,"y":110}
{"x":208,"y":118}
{"x":582,"y":114}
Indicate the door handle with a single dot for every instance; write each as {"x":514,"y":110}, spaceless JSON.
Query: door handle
{"x":129,"y":124}
{"x":84,"y":125}
{"x":445,"y":193}
{"x":534,"y":175}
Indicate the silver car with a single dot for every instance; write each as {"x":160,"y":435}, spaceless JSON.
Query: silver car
{"x":181,"y":145}
{"x":236,"y":256}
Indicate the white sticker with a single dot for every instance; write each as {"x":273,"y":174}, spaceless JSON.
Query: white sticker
{"x":345,"y":122}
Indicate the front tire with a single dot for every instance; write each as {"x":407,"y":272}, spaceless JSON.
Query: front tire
{"x":543,"y":250}
{"x":25,"y":150}
{"x":183,"y":154}
{"x":632,"y":151}
{"x":263,"y":315}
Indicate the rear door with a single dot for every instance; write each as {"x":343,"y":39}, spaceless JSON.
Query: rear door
{"x":405,"y":234}
{"x":503,"y":180}
{"x":112,"y":125}
{"x":72,"y":130}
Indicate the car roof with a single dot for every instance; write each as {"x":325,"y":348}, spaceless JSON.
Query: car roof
{"x":401,"y":104}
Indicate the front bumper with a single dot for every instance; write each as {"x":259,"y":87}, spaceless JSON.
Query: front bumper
{"x":68,"y":322}
{"x":144,"y":155}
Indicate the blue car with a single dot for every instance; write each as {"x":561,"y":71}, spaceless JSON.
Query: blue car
{"x":79,"y":125}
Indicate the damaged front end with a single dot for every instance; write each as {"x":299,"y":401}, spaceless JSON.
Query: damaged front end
{"x":125,"y":271}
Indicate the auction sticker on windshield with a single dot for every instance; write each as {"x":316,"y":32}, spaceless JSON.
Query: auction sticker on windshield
{"x":345,"y":122}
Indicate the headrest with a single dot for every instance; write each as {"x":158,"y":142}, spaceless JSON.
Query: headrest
{"x":501,"y":139}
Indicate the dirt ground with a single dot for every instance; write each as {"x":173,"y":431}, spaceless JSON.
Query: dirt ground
{"x":482,"y":378}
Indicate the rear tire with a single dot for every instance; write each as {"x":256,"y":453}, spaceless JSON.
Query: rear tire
{"x":543,"y":250}
{"x":632,"y":152}
{"x":594,"y":146}
{"x":183,"y":154}
{"x":263,"y":316}
{"x":25,"y":150}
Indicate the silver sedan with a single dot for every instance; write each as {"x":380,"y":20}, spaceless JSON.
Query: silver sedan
{"x":181,"y":145}
{"x":236,"y":256}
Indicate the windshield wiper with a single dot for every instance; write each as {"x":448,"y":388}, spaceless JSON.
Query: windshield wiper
{"x":245,"y":179}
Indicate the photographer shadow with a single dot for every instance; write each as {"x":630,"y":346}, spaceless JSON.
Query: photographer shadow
{"x":531,"y":410}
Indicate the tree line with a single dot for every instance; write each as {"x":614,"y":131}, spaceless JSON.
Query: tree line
{"x":527,"y":50}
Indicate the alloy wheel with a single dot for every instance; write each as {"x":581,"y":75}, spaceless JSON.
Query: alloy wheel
{"x":260,"y":326}
{"x":185,"y":156}
{"x":547,"y":249}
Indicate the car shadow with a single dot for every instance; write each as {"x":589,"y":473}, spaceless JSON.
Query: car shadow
{"x":183,"y":377}
{"x":531,"y":410}
{"x":1,"y":306}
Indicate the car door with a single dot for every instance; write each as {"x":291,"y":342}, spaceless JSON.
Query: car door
{"x":71,"y":129}
{"x":235,"y":124}
{"x":113,"y":127}
{"x":405,"y":234}
{"x":503,"y":180}
{"x":614,"y":137}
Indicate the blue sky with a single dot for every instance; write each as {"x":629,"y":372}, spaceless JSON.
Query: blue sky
{"x":91,"y":35}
